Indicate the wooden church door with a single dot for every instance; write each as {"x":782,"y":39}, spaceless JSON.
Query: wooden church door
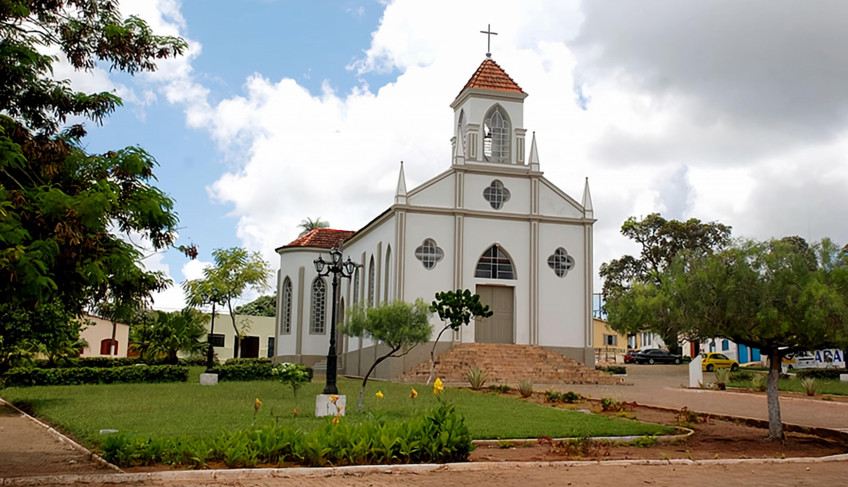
{"x":497,"y":328}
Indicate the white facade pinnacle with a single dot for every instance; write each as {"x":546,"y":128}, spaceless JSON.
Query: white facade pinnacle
{"x":400,"y":194}
{"x":534,"y":154}
{"x":459,"y":148}
{"x":588,"y":210}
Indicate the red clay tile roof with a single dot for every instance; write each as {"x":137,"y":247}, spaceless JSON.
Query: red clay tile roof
{"x":490,"y":76}
{"x":325,"y":238}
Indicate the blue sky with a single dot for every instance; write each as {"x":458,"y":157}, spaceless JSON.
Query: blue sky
{"x":283,"y":110}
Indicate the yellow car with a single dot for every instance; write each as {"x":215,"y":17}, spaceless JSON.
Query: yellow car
{"x":712,"y":361}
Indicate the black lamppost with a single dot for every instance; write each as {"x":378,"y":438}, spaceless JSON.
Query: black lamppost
{"x":345,"y":269}
{"x":213,"y":298}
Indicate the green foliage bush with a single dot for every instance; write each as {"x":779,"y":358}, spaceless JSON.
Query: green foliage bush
{"x":569,"y":397}
{"x":292,"y":375}
{"x":249,"y":369}
{"x":820,"y":373}
{"x":438,"y":435}
{"x":612,"y":369}
{"x":501,"y":388}
{"x":476,"y":377}
{"x":741,"y":376}
{"x":94,"y":375}
{"x":525,"y":388}
{"x":110,"y":362}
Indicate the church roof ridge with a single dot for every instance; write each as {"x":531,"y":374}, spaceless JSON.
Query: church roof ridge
{"x":490,"y":76}
{"x":326,"y":238}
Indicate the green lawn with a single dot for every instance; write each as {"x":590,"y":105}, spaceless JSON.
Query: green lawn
{"x":169,"y":410}
{"x":823,"y":386}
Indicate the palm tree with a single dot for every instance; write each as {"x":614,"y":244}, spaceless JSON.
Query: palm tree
{"x":309,"y":224}
{"x":164,"y":334}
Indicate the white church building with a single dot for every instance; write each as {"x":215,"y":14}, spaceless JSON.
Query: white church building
{"x":491,"y":223}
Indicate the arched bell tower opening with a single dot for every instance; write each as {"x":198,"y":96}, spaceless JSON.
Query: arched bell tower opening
{"x":496,"y":135}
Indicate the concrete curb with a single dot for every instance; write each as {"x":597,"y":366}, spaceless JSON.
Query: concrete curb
{"x":183,"y":476}
{"x":686,"y":433}
{"x":64,"y":439}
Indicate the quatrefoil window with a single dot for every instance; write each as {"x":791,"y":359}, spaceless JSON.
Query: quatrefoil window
{"x":429,"y":253}
{"x":496,"y":194}
{"x":561,"y":262}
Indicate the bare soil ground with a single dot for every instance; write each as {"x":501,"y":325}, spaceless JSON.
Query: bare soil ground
{"x":713,"y":438}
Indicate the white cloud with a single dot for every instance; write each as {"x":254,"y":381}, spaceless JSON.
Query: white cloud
{"x":728,"y":112}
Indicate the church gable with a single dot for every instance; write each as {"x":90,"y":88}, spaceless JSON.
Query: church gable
{"x":554,"y":202}
{"x":438,"y":192}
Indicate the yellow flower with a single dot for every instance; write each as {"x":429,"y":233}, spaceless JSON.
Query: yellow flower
{"x":379,"y":394}
{"x":294,"y":411}
{"x":335,"y":420}
{"x":257,"y":404}
{"x":340,"y":408}
{"x":413,"y":394}
{"x":333,"y":398}
{"x":438,"y":386}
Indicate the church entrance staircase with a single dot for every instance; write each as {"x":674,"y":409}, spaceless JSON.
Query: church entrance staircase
{"x":509,"y":364}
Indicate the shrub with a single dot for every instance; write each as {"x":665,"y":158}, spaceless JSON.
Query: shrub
{"x":809,"y":385}
{"x":722,"y":376}
{"x":525,"y":388}
{"x":610,"y":404}
{"x":93,"y":375}
{"x":502,"y":388}
{"x":760,"y":382}
{"x":292,"y":375}
{"x":820,"y":373}
{"x":571,"y":397}
{"x":612,"y":369}
{"x":249,"y":369}
{"x":476,"y":377}
{"x":438,"y":435}
{"x":553,"y":396}
{"x":644,"y":441}
{"x":742,"y":376}
{"x":247,"y":361}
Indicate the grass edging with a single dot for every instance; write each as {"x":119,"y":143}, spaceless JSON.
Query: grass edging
{"x":682,"y":434}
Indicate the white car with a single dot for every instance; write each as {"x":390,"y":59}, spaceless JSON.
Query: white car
{"x":800,"y":360}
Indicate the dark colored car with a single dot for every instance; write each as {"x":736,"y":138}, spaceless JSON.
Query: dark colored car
{"x":656,"y":356}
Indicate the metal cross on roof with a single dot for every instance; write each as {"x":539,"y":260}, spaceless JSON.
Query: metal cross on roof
{"x":489,"y":35}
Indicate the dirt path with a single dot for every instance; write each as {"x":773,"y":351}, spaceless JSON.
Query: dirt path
{"x":28,"y":448}
{"x":709,"y":474}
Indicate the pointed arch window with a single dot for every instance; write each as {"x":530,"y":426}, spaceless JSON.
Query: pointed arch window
{"x":287,"y":306}
{"x":496,"y":135}
{"x":372,"y":273}
{"x":387,"y":276}
{"x":463,"y":128}
{"x":494,"y":264}
{"x":356,"y":286}
{"x":318,"y":316}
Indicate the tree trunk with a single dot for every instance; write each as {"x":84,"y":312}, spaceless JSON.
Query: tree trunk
{"x":775,"y":425}
{"x":433,"y":356}
{"x":365,"y":379}
{"x":235,"y":328}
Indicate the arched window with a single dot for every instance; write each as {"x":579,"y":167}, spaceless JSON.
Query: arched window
{"x":387,"y":274}
{"x":319,"y":306}
{"x":287,"y":306}
{"x":494,"y":264}
{"x":356,"y":286}
{"x":372,"y":273}
{"x":463,"y":128}
{"x":496,"y":135}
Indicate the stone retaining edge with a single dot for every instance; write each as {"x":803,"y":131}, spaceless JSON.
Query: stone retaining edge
{"x":300,"y":472}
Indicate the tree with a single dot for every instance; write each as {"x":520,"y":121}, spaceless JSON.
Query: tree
{"x":235,"y":271}
{"x":661,"y":241}
{"x":309,"y":224}
{"x":455,"y":309}
{"x":162,"y":335}
{"x":261,"y":306}
{"x":61,"y":208}
{"x":781,"y":296}
{"x":400,"y":326}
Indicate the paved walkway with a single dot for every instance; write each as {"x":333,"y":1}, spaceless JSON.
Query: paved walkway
{"x":665,"y":386}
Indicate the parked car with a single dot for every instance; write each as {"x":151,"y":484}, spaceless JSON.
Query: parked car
{"x":656,"y":356}
{"x":713,"y":360}
{"x":628,"y":357}
{"x":800,"y":360}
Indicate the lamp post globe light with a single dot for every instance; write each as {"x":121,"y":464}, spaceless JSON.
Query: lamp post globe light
{"x":212,"y":297}
{"x":339,"y":269}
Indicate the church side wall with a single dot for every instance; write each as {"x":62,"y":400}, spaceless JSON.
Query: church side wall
{"x":552,"y":204}
{"x":377,"y":243}
{"x":562,"y":300}
{"x":437,"y":194}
